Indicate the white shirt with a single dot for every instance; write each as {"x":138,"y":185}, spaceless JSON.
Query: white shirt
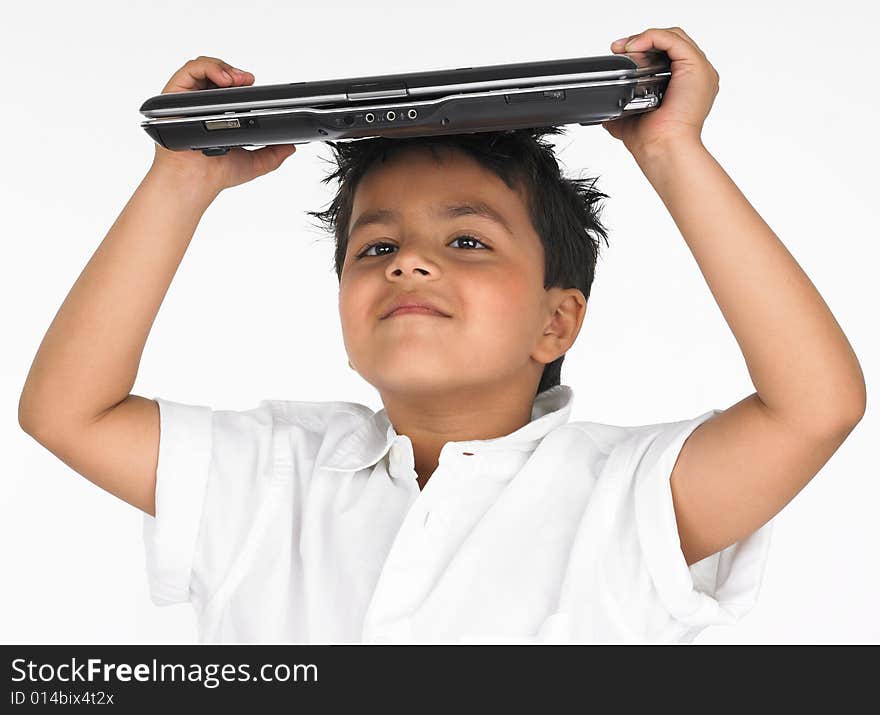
{"x":303,"y":522}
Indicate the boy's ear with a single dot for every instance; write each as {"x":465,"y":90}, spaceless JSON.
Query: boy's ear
{"x":567,"y":310}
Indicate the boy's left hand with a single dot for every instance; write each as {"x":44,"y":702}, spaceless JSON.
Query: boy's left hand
{"x":687,"y":99}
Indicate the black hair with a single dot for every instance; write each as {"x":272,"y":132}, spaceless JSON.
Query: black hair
{"x":563,"y":211}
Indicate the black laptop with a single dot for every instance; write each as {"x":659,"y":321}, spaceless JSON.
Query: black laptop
{"x":581,"y":90}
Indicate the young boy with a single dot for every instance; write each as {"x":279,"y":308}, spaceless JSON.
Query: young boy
{"x":469,"y":509}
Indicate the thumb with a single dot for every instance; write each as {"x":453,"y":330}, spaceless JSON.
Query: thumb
{"x":612,"y":128}
{"x":281,"y":151}
{"x":271,"y":157}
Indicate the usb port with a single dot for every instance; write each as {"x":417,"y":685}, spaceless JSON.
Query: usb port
{"x":222,"y":124}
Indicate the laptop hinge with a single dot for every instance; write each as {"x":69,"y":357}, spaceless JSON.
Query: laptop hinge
{"x":375,"y":90}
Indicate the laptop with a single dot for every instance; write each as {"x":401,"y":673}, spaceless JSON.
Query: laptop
{"x":580,"y":90}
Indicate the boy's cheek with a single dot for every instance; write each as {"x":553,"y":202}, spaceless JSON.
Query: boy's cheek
{"x":357,"y":305}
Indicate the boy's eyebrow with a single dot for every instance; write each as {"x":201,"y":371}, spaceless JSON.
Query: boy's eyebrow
{"x":468,"y":208}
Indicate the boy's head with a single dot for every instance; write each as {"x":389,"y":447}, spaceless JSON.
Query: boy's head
{"x":515,"y":295}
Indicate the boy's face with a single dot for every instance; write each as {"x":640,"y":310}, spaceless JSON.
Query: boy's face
{"x":500,"y":316}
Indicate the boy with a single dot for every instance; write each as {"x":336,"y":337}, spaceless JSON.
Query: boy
{"x":468,"y":509}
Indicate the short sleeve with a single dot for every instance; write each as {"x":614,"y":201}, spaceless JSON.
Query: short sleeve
{"x":181,"y":479}
{"x":209,"y":475}
{"x":720,"y":588}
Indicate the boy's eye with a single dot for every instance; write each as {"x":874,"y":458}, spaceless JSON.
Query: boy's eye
{"x":369,"y":246}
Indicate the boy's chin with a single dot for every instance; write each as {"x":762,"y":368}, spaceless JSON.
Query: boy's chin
{"x":417,"y":382}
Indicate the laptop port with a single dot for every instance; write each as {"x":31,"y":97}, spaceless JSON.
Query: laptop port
{"x":369,"y":117}
{"x":390,"y":115}
{"x":412,"y":114}
{"x":213,"y":124}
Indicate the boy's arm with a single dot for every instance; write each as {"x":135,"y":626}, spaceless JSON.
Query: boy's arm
{"x":740,"y":468}
{"x":76,"y":399}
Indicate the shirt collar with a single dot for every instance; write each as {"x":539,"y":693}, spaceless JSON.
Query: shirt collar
{"x":370,"y":441}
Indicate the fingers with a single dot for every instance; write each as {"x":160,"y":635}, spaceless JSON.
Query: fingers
{"x":203,"y":70}
{"x":673,"y":41}
{"x":618,"y":45}
{"x":705,"y":60}
{"x":682,"y":33}
{"x":207,"y":73}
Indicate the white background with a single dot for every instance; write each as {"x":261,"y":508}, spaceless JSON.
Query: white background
{"x":252,"y":312}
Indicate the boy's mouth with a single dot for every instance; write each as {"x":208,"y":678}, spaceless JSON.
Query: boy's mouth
{"x":412,"y":303}
{"x":415,"y":310}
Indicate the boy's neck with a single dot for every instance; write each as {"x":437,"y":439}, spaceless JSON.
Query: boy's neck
{"x":431,"y":421}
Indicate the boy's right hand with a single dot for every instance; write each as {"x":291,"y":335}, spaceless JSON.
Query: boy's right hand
{"x":238,"y":165}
